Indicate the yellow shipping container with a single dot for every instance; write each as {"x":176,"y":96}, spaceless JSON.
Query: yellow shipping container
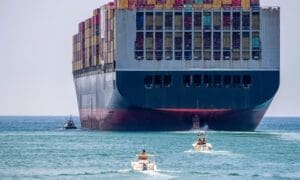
{"x":78,"y":47}
{"x":89,"y":43}
{"x":159,"y":6}
{"x":207,"y":6}
{"x":198,"y":6}
{"x":76,"y":66}
{"x":246,"y":4}
{"x":217,"y":4}
{"x":105,"y":47}
{"x":86,"y":43}
{"x":88,"y":33}
{"x":95,"y":40}
{"x":110,"y":13}
{"x":226,"y":2}
{"x":151,"y":2}
{"x":94,"y":60}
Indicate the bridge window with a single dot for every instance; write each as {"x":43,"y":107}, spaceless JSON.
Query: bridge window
{"x":197,"y":80}
{"x":187,"y":80}
{"x":227,"y":81}
{"x":246,"y":81}
{"x":236,"y":81}
{"x":148,"y":82}
{"x":157,"y":81}
{"x":207,"y":81}
{"x":167,"y":81}
{"x":217,"y":81}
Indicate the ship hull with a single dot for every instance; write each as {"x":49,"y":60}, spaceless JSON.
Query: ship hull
{"x":116,"y":101}
{"x":175,"y":120}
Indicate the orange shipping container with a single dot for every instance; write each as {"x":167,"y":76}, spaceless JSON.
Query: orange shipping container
{"x":217,"y":4}
{"x":122,"y":4}
{"x":226,"y":2}
{"x":151,"y":2}
{"x":170,"y":2}
{"x":168,"y":6}
{"x":246,"y":4}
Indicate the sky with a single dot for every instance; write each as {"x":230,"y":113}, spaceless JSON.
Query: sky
{"x":36,"y":54}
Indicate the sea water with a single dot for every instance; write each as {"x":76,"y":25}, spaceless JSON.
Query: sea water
{"x":39,"y":148}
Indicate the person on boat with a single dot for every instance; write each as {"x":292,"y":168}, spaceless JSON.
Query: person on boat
{"x":200,"y":141}
{"x":143,"y":155}
{"x":204,"y":141}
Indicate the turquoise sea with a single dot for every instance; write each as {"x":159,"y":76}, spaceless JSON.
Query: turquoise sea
{"x":39,"y":148}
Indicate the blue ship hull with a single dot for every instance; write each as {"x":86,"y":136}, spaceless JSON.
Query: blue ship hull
{"x":121,"y":101}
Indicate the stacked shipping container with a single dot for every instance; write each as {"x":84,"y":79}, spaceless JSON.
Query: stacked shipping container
{"x":206,"y":29}
{"x":94,"y":45}
{"x":186,"y":4}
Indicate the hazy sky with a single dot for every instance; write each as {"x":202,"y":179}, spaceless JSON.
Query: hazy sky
{"x":36,"y":53}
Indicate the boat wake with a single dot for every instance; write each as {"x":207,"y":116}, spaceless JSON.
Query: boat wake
{"x":213,"y":152}
{"x":124,"y":171}
{"x":161,"y":174}
{"x":290,"y":136}
{"x":226,"y":153}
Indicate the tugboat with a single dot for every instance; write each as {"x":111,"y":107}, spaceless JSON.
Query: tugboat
{"x":201,"y":145}
{"x":69,"y":124}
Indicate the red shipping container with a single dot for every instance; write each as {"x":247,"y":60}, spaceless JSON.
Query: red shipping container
{"x":81,"y":26}
{"x":178,"y":2}
{"x":96,"y":11}
{"x":96,"y":20}
{"x":254,"y":2}
{"x":149,"y":7}
{"x":207,"y":1}
{"x":175,"y":6}
{"x":236,"y":3}
{"x":111,"y":5}
{"x":160,"y":1}
{"x":131,"y":4}
{"x":141,"y":2}
{"x":139,"y":6}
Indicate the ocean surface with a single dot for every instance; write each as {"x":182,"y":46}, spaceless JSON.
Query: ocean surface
{"x":39,"y":148}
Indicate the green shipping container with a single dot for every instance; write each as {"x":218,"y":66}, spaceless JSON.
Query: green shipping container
{"x":198,"y":1}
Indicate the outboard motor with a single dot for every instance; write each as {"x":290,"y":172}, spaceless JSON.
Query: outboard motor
{"x":144,"y":167}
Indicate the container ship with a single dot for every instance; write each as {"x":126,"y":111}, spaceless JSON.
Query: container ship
{"x":174,"y":65}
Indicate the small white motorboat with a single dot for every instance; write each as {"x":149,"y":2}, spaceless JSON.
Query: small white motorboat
{"x":201,"y":145}
{"x":144,"y":164}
